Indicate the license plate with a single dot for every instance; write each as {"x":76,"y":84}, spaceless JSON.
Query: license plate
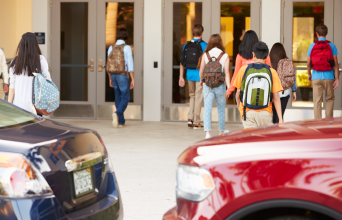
{"x":83,"y":182}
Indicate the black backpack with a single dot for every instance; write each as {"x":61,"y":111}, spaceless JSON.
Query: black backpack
{"x":191,"y":53}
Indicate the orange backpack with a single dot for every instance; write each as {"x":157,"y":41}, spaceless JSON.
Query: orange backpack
{"x":116,"y":60}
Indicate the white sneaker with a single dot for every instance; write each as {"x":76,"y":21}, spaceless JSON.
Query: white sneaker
{"x":115,"y":120}
{"x":207,"y":136}
{"x":226,"y":131}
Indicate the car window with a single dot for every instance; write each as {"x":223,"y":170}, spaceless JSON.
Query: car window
{"x":11,"y":115}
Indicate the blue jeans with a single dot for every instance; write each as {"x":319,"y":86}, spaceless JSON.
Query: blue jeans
{"x":121,"y":93}
{"x":209,"y":95}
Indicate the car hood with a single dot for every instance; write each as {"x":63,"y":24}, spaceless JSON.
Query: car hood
{"x":302,"y":139}
{"x":20,"y":139}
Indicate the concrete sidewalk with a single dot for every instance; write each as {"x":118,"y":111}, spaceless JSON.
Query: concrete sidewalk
{"x":144,"y":155}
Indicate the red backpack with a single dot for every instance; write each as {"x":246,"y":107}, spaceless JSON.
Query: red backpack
{"x":321,"y":57}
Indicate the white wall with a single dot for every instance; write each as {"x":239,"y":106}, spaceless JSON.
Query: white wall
{"x":152,"y":52}
{"x":41,"y":20}
{"x":270,"y":22}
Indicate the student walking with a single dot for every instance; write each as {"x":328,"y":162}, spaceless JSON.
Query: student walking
{"x":192,"y":51}
{"x":28,"y":60}
{"x":287,"y":77}
{"x":214,"y":75}
{"x":119,"y":63}
{"x":322,"y":59}
{"x":245,"y":56}
{"x":256,"y":83}
{"x":3,"y":75}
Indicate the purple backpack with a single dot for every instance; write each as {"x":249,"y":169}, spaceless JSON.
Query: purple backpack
{"x":213,"y":74}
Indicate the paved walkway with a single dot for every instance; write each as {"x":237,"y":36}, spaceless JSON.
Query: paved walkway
{"x":144,"y":156}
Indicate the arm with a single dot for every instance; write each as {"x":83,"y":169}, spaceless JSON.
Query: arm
{"x":202,"y":70}
{"x":109,"y":77}
{"x":337,"y":73}
{"x":237,"y":97}
{"x":130,"y":64}
{"x":45,"y":67}
{"x":11,"y":95}
{"x":277,"y":105}
{"x":226,"y":72}
{"x":4,"y":70}
{"x":308,"y":67}
{"x":12,"y":86}
{"x":294,"y":88}
{"x":181,"y":76}
{"x":238,"y":64}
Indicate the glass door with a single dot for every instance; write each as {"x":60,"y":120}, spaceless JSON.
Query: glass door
{"x":73,"y":57}
{"x":82,"y":32}
{"x":179,"y":18}
{"x":300,"y":20}
{"x":112,"y":15}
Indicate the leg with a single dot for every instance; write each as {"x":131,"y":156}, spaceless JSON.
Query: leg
{"x":198,"y":103}
{"x":123,"y":84}
{"x":329,"y":98}
{"x":317,"y":88}
{"x":192,"y":89}
{"x":275,"y":115}
{"x":2,"y":93}
{"x":263,"y":118}
{"x":283,"y":102}
{"x":250,"y":120}
{"x":208,"y":96}
{"x":221,"y":103}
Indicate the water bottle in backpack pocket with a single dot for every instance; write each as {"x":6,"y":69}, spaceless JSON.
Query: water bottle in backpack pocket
{"x":45,"y":94}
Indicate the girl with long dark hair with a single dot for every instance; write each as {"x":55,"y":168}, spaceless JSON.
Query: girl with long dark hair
{"x":278,"y":53}
{"x":214,"y":48}
{"x":28,"y":60}
{"x":245,"y":56}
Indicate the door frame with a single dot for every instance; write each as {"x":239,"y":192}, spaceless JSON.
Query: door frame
{"x":56,"y":53}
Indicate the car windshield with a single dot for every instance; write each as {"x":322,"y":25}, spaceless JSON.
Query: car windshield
{"x":11,"y":115}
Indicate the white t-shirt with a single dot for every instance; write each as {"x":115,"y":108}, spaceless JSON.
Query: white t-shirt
{"x":23,"y":85}
{"x":215,"y":52}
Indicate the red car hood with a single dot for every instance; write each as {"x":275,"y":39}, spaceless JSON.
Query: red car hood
{"x":302,"y":139}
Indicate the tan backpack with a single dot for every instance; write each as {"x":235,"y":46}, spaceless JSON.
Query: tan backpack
{"x":116,"y":60}
{"x":286,"y":73}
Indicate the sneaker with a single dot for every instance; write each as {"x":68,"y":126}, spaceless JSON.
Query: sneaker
{"x":121,"y":126}
{"x":207,"y":136}
{"x":198,"y":126}
{"x":115,"y":120}
{"x":226,"y":132}
{"x":190,"y":123}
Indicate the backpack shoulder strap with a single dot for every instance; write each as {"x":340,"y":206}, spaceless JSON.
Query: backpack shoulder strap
{"x":209,"y":58}
{"x":219,"y":57}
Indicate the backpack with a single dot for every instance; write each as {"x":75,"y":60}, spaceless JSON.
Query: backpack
{"x":321,"y":57}
{"x":116,"y":60}
{"x":213,"y":75}
{"x":286,"y":73}
{"x":45,"y":94}
{"x":256,"y":87}
{"x":191,"y":53}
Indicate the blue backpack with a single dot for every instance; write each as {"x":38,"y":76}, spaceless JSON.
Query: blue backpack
{"x":45,"y":94}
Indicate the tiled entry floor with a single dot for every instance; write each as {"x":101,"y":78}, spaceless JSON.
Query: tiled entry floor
{"x":144,"y":156}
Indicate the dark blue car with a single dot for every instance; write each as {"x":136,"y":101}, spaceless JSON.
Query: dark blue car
{"x":50,"y":170}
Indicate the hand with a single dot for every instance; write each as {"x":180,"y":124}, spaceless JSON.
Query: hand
{"x":110,"y":83}
{"x":132,"y":84}
{"x":226,"y":95}
{"x":6,"y":88}
{"x":336,"y":83}
{"x":181,"y":82}
{"x":294,"y":96}
{"x":309,"y":76}
{"x":201,"y":83}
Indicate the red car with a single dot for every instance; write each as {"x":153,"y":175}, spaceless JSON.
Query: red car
{"x":291,"y":171}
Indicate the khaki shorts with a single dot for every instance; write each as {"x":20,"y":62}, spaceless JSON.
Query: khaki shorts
{"x":257,"y":118}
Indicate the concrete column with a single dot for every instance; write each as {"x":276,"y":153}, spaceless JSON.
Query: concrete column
{"x":270,"y":22}
{"x":41,"y":22}
{"x":152,"y":53}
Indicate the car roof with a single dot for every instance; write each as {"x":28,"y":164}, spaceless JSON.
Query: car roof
{"x":297,"y":138}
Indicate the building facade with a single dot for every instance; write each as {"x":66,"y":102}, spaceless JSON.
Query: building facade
{"x":75,"y":35}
